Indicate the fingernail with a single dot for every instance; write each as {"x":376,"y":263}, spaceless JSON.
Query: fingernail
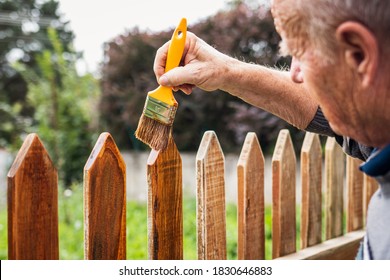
{"x":163,"y":81}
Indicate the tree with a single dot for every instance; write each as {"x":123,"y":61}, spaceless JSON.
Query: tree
{"x":240,"y":31}
{"x":65,"y":109}
{"x":23,"y":35}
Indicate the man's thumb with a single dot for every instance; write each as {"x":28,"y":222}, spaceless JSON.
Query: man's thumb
{"x":175,"y":77}
{"x":164,"y":81}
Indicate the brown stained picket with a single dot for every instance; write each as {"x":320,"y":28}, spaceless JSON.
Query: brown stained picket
{"x":32,"y":204}
{"x":283,"y":196}
{"x":250,"y":173}
{"x":334,"y":185}
{"x":370,"y":186}
{"x":211,"y":220}
{"x":311,"y":209}
{"x":165,"y":214}
{"x":105,"y":202}
{"x":354,"y":195}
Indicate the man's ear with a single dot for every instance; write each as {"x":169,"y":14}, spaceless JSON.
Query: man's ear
{"x":360,"y":48}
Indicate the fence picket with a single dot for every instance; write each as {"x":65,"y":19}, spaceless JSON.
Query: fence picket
{"x":283,"y":196}
{"x":250,"y":206}
{"x":32,"y":204}
{"x":311,"y":209}
{"x":211,"y":222}
{"x":355,"y":195}
{"x":105,"y":202}
{"x":334,"y":184}
{"x":165,"y":214}
{"x":33,"y":201}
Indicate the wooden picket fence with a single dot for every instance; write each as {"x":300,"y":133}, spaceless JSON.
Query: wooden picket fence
{"x":33,"y":202}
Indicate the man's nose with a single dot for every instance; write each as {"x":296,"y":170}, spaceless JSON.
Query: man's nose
{"x":295,"y":71}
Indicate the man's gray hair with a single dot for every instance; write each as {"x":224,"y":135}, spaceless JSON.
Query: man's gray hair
{"x":324,"y":16}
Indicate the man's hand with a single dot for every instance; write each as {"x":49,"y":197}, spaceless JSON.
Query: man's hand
{"x":201,"y":66}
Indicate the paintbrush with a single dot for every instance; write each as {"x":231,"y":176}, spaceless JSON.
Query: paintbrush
{"x":155,"y":125}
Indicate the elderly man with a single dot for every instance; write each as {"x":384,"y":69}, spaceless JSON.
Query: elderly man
{"x":338,"y":85}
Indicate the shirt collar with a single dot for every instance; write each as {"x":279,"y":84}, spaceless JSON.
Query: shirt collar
{"x":378,"y":164}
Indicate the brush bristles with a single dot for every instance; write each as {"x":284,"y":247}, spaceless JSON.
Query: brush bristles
{"x":153,"y":133}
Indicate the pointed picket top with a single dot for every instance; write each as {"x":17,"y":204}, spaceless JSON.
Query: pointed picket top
{"x":283,"y":196}
{"x":250,"y":206}
{"x":210,"y":170}
{"x":33,"y":203}
{"x":311,"y":208}
{"x":31,"y":145}
{"x":105,"y":201}
{"x":334,"y":185}
{"x":165,"y":200}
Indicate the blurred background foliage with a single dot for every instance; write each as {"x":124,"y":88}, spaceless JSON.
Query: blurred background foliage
{"x":23,"y":35}
{"x":41,"y":90}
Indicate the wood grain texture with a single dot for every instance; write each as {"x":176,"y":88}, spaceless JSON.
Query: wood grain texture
{"x":283,"y":196}
{"x":354,"y":195}
{"x":334,"y":188}
{"x":165,"y":213}
{"x":250,"y":206}
{"x":211,"y":220}
{"x":340,"y":248}
{"x":311,"y":173}
{"x":32,"y":204}
{"x":105,"y":202}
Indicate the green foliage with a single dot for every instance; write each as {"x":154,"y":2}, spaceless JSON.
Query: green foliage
{"x":24,"y":35}
{"x":65,"y":114}
{"x":71,"y":223}
{"x":12,"y":124}
{"x":3,"y":234}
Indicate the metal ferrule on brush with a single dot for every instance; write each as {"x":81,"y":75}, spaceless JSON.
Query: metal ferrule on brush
{"x":159,"y":111}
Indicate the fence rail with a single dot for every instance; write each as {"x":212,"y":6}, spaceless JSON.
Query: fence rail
{"x":33,"y":201}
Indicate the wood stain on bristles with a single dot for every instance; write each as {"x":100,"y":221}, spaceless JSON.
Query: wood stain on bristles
{"x":153,"y":133}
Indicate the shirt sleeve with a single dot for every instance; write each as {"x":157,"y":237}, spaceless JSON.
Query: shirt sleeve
{"x":320,"y":125}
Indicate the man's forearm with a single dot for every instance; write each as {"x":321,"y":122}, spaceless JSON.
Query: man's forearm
{"x":271,"y":90}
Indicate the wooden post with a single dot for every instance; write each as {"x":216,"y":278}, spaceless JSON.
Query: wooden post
{"x":354,"y":195}
{"x":334,"y":184}
{"x":311,"y":209}
{"x":165,"y":213}
{"x":105,"y":202}
{"x":32,"y":204}
{"x":283,"y":196}
{"x":250,"y":172}
{"x":211,"y":218}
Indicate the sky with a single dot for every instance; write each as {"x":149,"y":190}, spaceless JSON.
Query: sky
{"x":95,"y":22}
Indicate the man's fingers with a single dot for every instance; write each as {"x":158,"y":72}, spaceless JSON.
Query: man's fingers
{"x":160,"y":60}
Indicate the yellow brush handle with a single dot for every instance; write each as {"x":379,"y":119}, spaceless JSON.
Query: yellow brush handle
{"x":176,"y":47}
{"x":175,"y":52}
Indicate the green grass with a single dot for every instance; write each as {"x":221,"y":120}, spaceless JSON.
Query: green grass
{"x":3,"y":235}
{"x":71,"y":229}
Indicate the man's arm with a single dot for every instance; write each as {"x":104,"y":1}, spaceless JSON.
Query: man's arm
{"x":272,"y":90}
{"x":267,"y":88}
